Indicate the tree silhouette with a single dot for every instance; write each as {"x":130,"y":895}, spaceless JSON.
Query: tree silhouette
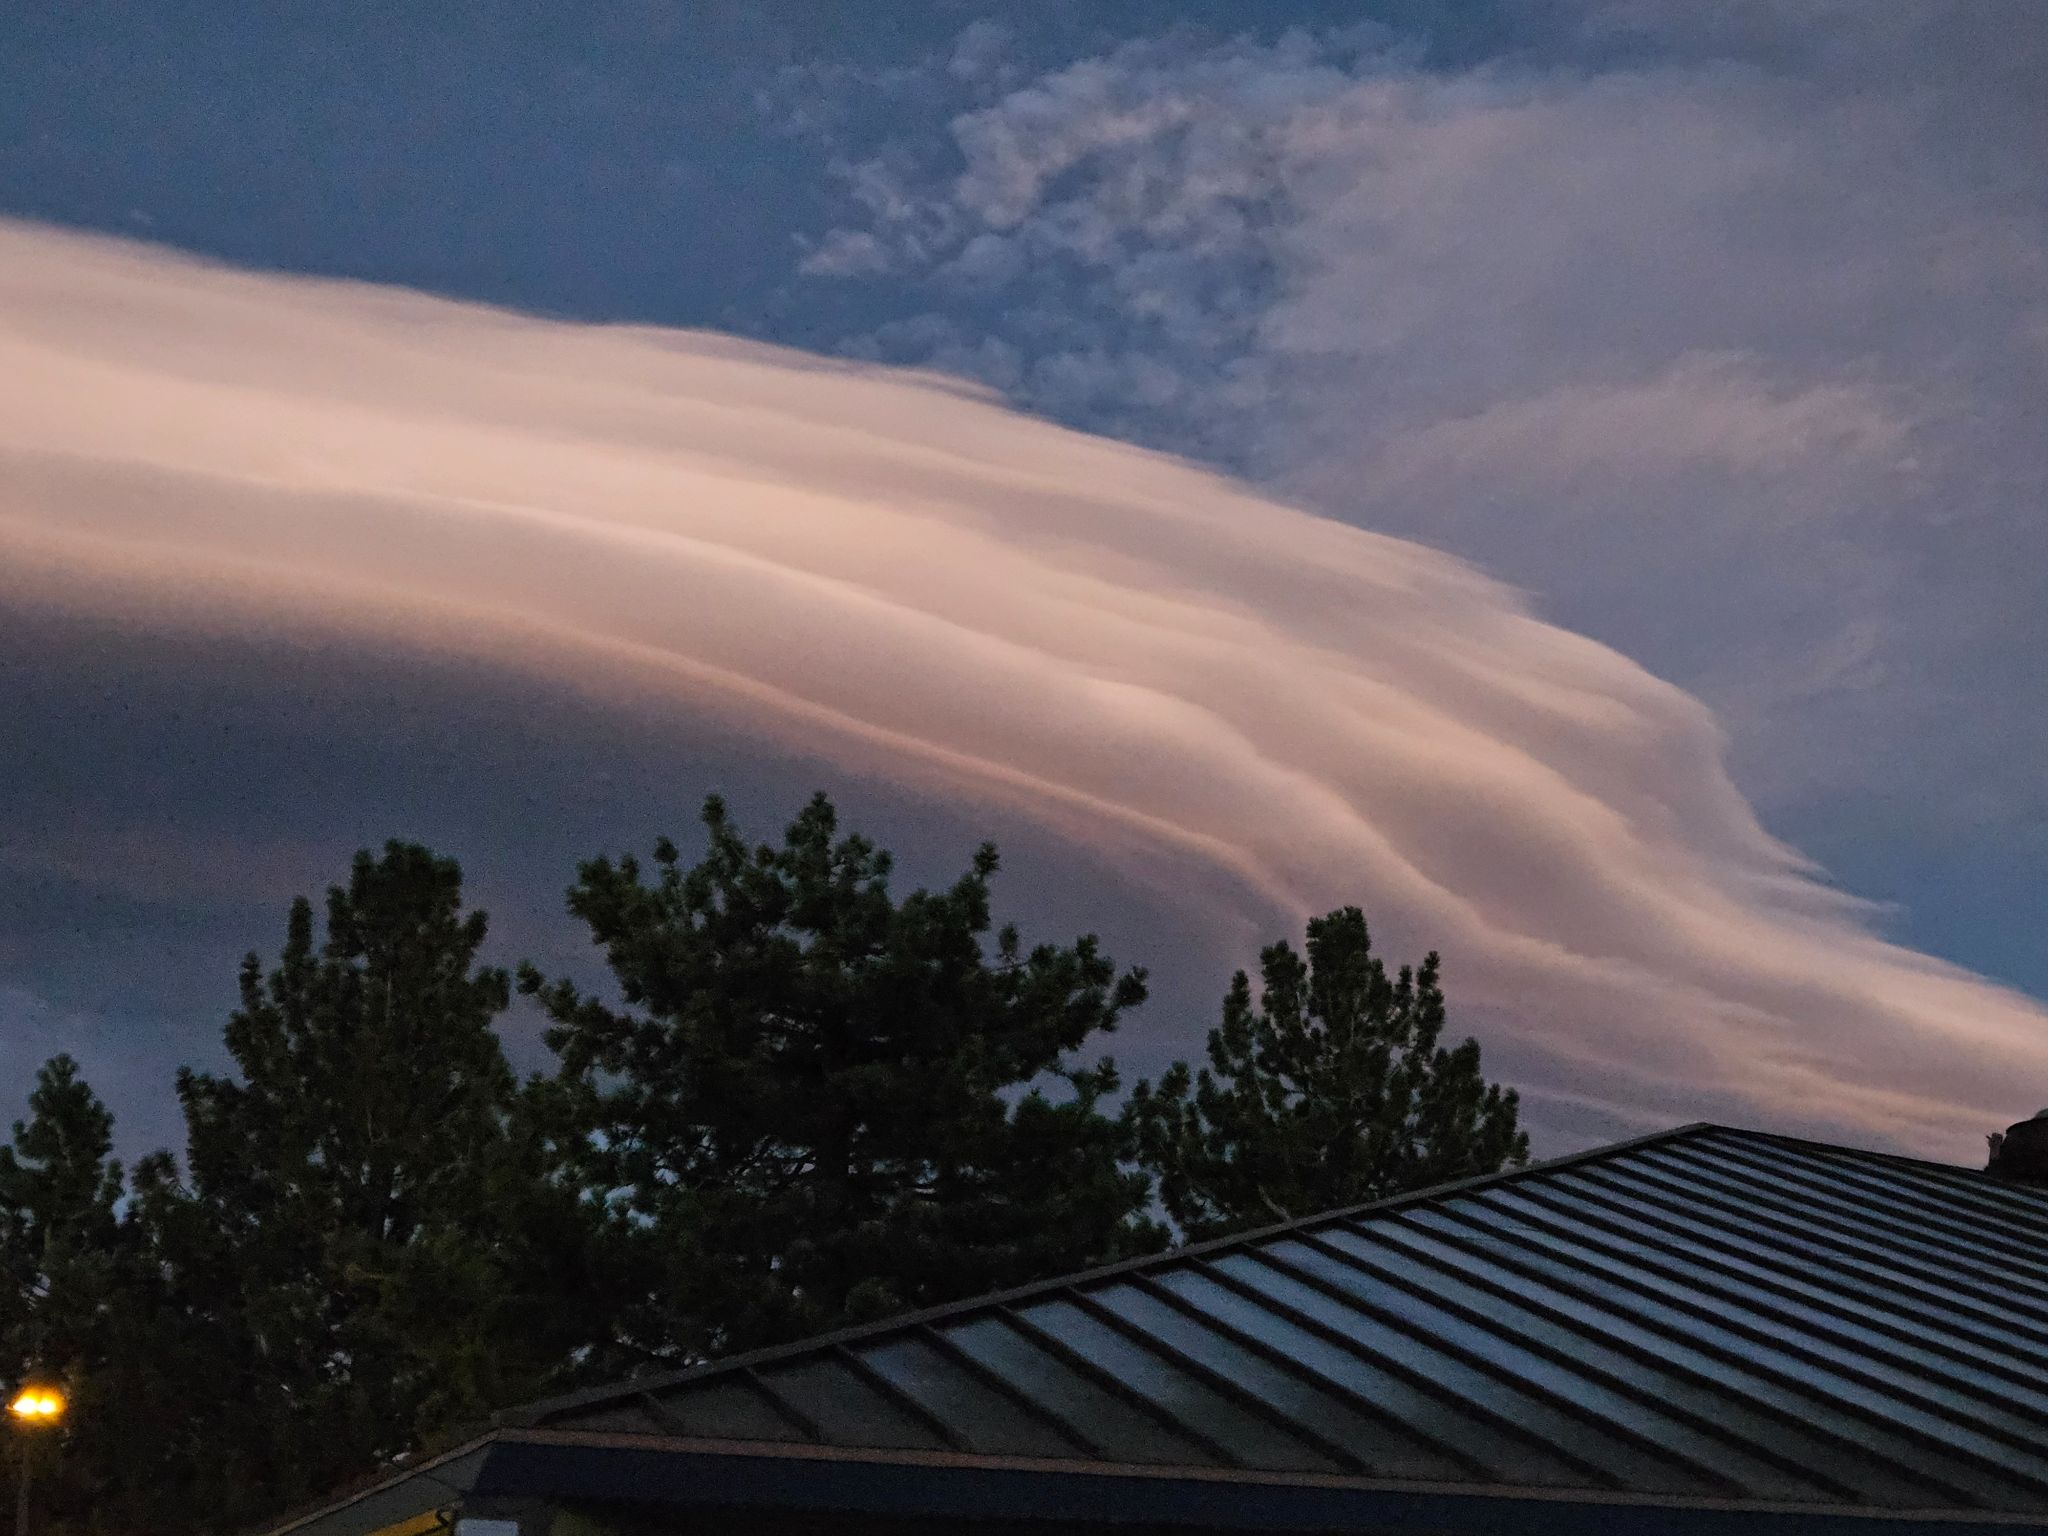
{"x":1331,"y":1090}
{"x":823,"y":1104}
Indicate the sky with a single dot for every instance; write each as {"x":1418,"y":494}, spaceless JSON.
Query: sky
{"x":1565,"y":476}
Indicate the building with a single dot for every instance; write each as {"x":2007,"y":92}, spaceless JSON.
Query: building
{"x":1701,"y":1332}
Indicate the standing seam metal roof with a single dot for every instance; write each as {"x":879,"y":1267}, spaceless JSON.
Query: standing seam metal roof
{"x":1705,"y":1314}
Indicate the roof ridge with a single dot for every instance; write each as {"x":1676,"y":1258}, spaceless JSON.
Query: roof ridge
{"x":536,"y":1414}
{"x":1786,"y":1139}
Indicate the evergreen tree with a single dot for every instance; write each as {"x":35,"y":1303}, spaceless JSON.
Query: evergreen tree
{"x":1331,"y":1091}
{"x":822,"y":1104}
{"x":59,"y":1255}
{"x":363,"y":1250}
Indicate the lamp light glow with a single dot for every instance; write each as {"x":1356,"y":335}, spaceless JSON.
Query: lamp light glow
{"x":37,"y":1405}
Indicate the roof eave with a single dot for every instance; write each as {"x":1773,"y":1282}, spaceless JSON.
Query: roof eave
{"x":584,"y":1468}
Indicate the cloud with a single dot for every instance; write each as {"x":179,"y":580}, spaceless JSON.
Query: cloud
{"x":845,"y":253}
{"x":913,"y":581}
{"x":1715,"y":329}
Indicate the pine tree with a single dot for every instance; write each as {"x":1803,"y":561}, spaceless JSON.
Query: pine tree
{"x":822,"y":1104}
{"x":362,"y":1250}
{"x":59,"y":1256}
{"x":1331,"y":1090}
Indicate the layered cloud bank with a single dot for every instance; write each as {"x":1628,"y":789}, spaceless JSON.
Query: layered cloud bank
{"x":897,"y":573}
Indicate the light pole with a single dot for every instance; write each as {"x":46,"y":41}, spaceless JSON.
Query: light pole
{"x":34,"y":1408}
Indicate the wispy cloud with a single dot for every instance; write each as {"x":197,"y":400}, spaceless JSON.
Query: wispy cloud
{"x":904,"y":576}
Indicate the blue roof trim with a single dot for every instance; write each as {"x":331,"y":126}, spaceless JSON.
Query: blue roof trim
{"x":623,"y":1476}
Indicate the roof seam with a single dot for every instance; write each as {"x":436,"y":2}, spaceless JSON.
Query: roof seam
{"x":1764,"y":1407}
{"x":1826,"y":1234}
{"x":790,"y":1414}
{"x":1566,"y":1407}
{"x":1622,"y":1272}
{"x":905,"y":1401}
{"x":1951,"y":1170}
{"x":1933,"y":1218}
{"x":1301,"y":1370}
{"x":1108,"y":1381}
{"x":1235,"y":1393}
{"x":1599,"y":1194}
{"x":1499,"y":1422}
{"x":993,"y":1381}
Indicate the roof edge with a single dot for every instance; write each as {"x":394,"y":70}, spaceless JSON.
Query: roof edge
{"x":705,"y":1453}
{"x":1786,"y":1139}
{"x":379,"y":1484}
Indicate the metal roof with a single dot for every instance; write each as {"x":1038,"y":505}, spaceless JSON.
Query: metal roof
{"x":1705,"y":1318}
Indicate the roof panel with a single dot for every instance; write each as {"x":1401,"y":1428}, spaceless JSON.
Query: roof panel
{"x":1701,"y":1253}
{"x":1092,"y":1404}
{"x":1708,"y":1314}
{"x":723,"y":1408}
{"x":1758,"y":1430}
{"x":1489,"y":1445}
{"x":1352,"y":1432}
{"x":1752,"y":1351}
{"x":1911,"y":1288}
{"x":1483,"y":1370}
{"x":1187,"y":1393}
{"x":985,"y":1419}
{"x":1865,"y":1228}
{"x":2015,"y":1210}
{"x":1899,"y":1208}
{"x":830,"y":1394}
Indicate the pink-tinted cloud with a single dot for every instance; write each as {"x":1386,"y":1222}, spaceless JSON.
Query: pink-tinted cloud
{"x":899,"y":573}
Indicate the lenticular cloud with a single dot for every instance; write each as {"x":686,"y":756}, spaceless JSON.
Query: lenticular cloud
{"x":902,"y":573}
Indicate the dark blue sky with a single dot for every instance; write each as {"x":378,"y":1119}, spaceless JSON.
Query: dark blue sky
{"x":687,"y":165}
{"x":604,"y":161}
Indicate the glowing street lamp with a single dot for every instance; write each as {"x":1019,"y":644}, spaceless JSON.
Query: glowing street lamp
{"x":37,"y":1406}
{"x":33,"y":1407}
